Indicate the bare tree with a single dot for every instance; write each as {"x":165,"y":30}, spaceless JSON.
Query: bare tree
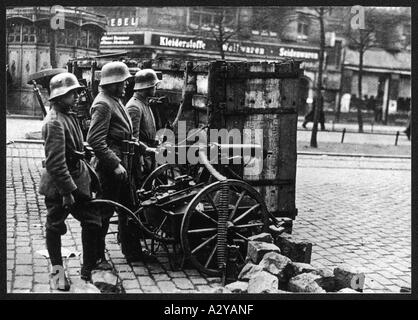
{"x":223,"y":25}
{"x":319,"y":14}
{"x":361,"y":40}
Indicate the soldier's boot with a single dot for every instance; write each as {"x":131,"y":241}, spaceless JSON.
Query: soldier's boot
{"x":101,"y":262}
{"x":57,"y":279}
{"x":89,"y":238}
{"x":130,"y":240}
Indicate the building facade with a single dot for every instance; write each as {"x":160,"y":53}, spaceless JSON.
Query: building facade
{"x":29,"y":48}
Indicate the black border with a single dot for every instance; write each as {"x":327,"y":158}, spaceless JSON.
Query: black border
{"x":151,"y":300}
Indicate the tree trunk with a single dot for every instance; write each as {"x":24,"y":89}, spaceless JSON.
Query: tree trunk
{"x":319,"y":100}
{"x":360,"y":101}
{"x":52,"y":48}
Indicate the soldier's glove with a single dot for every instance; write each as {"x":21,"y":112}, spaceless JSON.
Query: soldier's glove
{"x":80,"y":197}
{"x":120,"y":173}
{"x":68,"y":201}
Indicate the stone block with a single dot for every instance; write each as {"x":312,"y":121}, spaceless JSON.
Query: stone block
{"x":347,"y":290}
{"x":238,"y":287}
{"x":220,"y":290}
{"x":275,"y":263}
{"x":263,"y":282}
{"x":80,"y":286}
{"x":249,"y":271}
{"x":349,"y":277}
{"x":295,"y":250}
{"x":257,"y":249}
{"x":262,"y":237}
{"x":305,"y":282}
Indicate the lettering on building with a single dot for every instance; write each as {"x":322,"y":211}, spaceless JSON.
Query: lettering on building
{"x":114,"y":40}
{"x":187,"y":44}
{"x":123,"y":22}
{"x":291,"y":53}
{"x":240,"y":48}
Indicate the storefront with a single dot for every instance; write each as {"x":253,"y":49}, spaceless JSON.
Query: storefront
{"x":153,"y":45}
{"x":386,"y":77}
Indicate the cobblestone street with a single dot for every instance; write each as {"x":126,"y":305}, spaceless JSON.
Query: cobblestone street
{"x":353,"y":210}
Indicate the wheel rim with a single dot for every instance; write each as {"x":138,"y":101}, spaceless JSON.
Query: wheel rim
{"x":164,"y":174}
{"x":247,"y":216}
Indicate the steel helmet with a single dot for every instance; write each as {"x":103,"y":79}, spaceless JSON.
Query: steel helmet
{"x":114,"y":72}
{"x":146,"y":78}
{"x":63,"y":83}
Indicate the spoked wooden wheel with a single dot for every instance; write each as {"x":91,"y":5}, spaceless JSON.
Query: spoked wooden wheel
{"x":247,"y":215}
{"x":163,"y":175}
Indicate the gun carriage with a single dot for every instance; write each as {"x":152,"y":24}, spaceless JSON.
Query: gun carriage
{"x":206,"y":212}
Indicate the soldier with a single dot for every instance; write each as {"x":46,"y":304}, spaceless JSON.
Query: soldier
{"x":143,"y":121}
{"x":110,"y":125}
{"x":66,"y":180}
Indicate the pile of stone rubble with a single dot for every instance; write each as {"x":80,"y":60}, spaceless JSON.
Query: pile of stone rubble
{"x":282,"y":265}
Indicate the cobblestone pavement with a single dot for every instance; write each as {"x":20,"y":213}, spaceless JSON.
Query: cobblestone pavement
{"x":353,"y":210}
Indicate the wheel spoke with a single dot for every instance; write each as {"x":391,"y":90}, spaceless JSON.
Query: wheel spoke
{"x":159,"y":180}
{"x":203,"y":244}
{"x":211,"y":256}
{"x":212,"y":204}
{"x":249,"y":225}
{"x":236,"y":205}
{"x":256,"y":206}
{"x":241,"y":236}
{"x":201,"y":230}
{"x":206,"y":216}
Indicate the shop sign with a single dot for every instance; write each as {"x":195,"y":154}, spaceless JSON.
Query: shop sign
{"x":123,"y":22}
{"x":122,"y":40}
{"x":310,"y":56}
{"x":176,"y":42}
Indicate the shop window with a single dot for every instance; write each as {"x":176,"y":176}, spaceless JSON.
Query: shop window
{"x":28,"y":34}
{"x":93,"y":40}
{"x":42,"y":35}
{"x":83,"y":42}
{"x":13,"y":33}
{"x":72,"y":37}
{"x":61,"y":37}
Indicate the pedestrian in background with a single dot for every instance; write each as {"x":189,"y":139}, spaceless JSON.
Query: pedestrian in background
{"x":66,"y":180}
{"x":309,"y":117}
{"x":407,"y":131}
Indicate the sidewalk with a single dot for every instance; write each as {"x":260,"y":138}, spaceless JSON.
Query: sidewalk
{"x":353,"y":127}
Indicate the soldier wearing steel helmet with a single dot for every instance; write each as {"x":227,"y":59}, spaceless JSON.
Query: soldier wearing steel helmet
{"x":143,"y":120}
{"x":110,"y":125}
{"x":66,"y":179}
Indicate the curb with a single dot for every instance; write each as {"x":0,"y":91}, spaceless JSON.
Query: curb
{"x":358,"y":155}
{"x":32,"y":141}
{"x":304,"y":153}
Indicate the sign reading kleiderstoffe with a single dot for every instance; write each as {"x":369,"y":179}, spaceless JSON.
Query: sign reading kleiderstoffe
{"x":234,"y":47}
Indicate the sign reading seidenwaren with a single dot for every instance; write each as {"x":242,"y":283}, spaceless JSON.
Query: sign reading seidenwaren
{"x":234,"y":47}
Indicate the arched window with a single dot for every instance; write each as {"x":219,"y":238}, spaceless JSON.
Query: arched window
{"x":14,"y":32}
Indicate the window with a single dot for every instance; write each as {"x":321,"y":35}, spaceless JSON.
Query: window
{"x":43,"y":35}
{"x":303,"y":28}
{"x":83,"y":42}
{"x":207,"y":19}
{"x":13,"y":33}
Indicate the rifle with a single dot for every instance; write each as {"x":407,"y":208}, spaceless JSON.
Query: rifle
{"x":38,"y":96}
{"x":127,"y":160}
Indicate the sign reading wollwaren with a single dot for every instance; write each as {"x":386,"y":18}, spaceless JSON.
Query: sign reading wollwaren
{"x":122,"y":40}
